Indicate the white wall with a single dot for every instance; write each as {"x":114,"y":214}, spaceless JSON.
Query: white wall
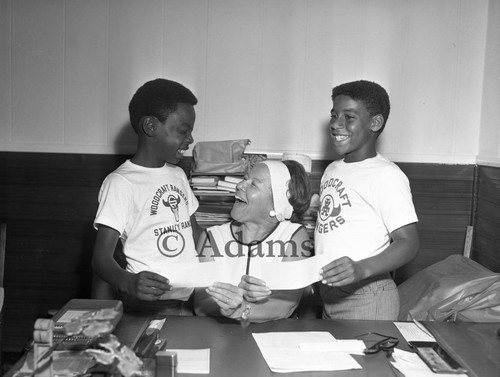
{"x":261,"y":69}
{"x":489,"y":141}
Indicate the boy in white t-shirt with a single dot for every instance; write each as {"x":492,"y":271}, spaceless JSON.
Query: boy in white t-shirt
{"x":147,"y":203}
{"x":366,"y":220}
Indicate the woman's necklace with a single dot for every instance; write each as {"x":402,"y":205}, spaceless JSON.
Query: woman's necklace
{"x":253,"y":243}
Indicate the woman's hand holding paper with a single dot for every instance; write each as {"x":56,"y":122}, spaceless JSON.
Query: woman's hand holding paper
{"x":228,"y":297}
{"x":254,"y":289}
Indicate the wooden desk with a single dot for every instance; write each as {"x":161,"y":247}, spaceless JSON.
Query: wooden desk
{"x":233,"y":351}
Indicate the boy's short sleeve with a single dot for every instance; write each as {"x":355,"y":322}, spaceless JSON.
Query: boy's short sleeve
{"x":393,"y":200}
{"x":192,"y":200}
{"x":115,"y":201}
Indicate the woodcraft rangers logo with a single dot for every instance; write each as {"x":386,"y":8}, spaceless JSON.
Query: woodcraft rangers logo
{"x":170,"y":196}
{"x":172,"y":202}
{"x":328,"y":208}
{"x":333,"y":198}
{"x":168,"y":200}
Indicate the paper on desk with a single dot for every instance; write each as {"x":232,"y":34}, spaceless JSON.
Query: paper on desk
{"x":412,"y":333}
{"x":411,"y":365}
{"x":283,"y":353}
{"x":192,"y":361}
{"x":285,"y":275}
{"x":351,"y":346}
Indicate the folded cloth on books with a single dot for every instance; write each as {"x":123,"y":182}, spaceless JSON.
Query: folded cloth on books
{"x":220,"y":157}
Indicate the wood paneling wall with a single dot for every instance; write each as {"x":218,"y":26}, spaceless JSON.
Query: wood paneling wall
{"x":443,"y":198}
{"x":486,"y":248}
{"x":49,"y":201}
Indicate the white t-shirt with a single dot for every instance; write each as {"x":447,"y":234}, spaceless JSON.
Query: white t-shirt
{"x":151,"y":209}
{"x":361,"y":204}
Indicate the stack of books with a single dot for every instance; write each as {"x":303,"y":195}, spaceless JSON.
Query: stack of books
{"x":228,"y":183}
{"x":215,"y":194}
{"x":213,"y":214}
{"x":214,"y":185}
{"x":204,"y":183}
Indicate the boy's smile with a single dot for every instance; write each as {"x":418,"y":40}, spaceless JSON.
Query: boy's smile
{"x":353,"y":129}
{"x":174,"y":136}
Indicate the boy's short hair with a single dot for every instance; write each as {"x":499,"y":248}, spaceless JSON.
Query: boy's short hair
{"x":158,"y":98}
{"x":373,"y":96}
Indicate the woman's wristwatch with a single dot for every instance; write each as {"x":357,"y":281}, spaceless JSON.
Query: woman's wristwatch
{"x":246,"y":312}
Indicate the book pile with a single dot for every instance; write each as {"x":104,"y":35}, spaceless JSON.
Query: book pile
{"x":214,"y":185}
{"x":213,"y":214}
{"x":228,"y":183}
{"x":204,"y":183}
{"x":215,"y":194}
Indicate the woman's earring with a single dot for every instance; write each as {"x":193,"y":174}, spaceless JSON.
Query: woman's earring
{"x":272,"y":213}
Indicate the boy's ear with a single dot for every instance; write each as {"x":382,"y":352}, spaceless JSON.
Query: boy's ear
{"x":149,"y":125}
{"x":377,"y":123}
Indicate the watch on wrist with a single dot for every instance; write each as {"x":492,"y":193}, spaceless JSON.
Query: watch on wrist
{"x":246,"y":313}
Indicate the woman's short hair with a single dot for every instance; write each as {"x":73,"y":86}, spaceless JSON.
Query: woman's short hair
{"x":299,"y":189}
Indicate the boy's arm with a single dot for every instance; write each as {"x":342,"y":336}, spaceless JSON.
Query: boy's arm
{"x":145,"y":285}
{"x":404,"y":248}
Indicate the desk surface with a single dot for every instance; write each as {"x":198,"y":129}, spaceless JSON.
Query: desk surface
{"x":233,"y":351}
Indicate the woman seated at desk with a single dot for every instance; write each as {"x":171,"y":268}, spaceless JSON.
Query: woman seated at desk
{"x":269,"y":201}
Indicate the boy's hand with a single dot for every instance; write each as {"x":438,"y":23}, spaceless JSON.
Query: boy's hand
{"x":228,"y":297}
{"x":149,"y":286}
{"x":342,"y":271}
{"x":254,"y":289}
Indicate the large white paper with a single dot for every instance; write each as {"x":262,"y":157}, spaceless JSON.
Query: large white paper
{"x":351,"y":346}
{"x":284,"y":275}
{"x":283,"y":353}
{"x":191,"y":361}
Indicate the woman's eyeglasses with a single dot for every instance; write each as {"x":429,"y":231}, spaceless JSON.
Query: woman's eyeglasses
{"x":386,"y":344}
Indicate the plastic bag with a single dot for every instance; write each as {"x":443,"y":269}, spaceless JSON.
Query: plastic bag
{"x":220,"y":157}
{"x":454,"y":289}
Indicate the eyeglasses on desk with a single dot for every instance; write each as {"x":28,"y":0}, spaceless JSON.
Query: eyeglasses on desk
{"x":383,"y":343}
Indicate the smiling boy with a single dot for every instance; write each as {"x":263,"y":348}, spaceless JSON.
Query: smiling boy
{"x":366,"y":220}
{"x":147,"y":203}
